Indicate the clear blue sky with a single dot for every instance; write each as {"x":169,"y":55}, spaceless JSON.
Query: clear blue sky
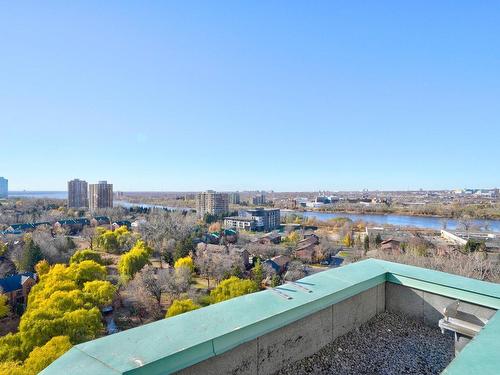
{"x":283,"y":95}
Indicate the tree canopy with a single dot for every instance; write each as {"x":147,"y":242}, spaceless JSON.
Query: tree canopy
{"x":185,"y":262}
{"x":86,"y":254}
{"x":180,"y":306}
{"x":65,"y":303}
{"x":133,"y":260}
{"x":232,"y":287}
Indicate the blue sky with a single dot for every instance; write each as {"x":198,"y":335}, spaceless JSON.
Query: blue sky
{"x":283,"y":95}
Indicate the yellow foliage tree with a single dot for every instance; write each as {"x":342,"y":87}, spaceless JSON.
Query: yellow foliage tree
{"x":292,"y":239}
{"x":185,"y":262}
{"x":42,"y":267}
{"x":133,"y":260}
{"x":65,"y":303}
{"x":4,"y":306}
{"x":348,"y":240}
{"x":180,"y":306}
{"x":232,"y":287}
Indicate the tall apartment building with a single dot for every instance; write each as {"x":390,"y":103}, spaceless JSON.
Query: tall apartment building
{"x":78,"y":194}
{"x":211,"y":202}
{"x":100,"y":195}
{"x":4,"y":187}
{"x":259,"y":200}
{"x":234,"y":198}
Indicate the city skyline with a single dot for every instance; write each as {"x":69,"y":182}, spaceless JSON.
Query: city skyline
{"x":184,"y":97}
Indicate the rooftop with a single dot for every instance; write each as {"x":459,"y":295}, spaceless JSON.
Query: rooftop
{"x":175,"y":343}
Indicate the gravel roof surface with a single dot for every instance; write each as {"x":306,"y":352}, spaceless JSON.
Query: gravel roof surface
{"x":387,"y":344}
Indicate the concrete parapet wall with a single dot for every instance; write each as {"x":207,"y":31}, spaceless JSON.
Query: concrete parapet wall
{"x":270,"y":352}
{"x":425,"y":306}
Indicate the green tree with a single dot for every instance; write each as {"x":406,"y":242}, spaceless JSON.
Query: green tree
{"x":378,"y":240}
{"x":232,"y":287}
{"x":473,"y":245}
{"x":366,"y":243}
{"x":258,"y":273}
{"x":86,"y":254}
{"x":43,"y":356}
{"x":4,"y":306}
{"x":32,"y":254}
{"x":180,"y":306}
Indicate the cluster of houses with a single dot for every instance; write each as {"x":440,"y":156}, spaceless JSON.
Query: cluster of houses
{"x":72,"y":225}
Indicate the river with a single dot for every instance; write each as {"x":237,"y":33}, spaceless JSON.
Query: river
{"x":425,"y":222}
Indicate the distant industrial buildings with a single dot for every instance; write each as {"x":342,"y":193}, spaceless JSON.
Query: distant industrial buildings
{"x":100,"y":195}
{"x":211,"y":202}
{"x":255,"y":219}
{"x":78,"y":194}
{"x":4,"y":187}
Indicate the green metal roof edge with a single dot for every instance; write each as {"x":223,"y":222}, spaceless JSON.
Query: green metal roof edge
{"x":329,"y":287}
{"x":481,"y":355}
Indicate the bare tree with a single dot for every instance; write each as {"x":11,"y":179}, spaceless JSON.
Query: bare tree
{"x":295,"y":271}
{"x":163,"y":229}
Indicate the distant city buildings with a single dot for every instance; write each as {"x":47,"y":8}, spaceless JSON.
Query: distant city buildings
{"x":78,"y":194}
{"x":100,"y":195}
{"x":259,"y":200}
{"x":234,"y":198}
{"x":211,"y":202}
{"x":257,"y":219}
{"x":4,"y":187}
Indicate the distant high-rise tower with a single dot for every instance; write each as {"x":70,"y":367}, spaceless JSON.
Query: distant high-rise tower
{"x":100,"y":195}
{"x":4,"y":187}
{"x":77,"y":194}
{"x":211,"y":202}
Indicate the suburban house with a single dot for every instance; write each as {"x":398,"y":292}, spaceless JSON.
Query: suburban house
{"x":17,"y":287}
{"x":100,"y":220}
{"x":307,"y":249}
{"x":270,"y":238}
{"x":73,"y":225}
{"x":391,"y":246}
{"x":278,"y":263}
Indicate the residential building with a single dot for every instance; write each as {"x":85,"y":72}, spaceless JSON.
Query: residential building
{"x":78,"y":194}
{"x":4,"y":187}
{"x":234,"y":198}
{"x":100,"y":195}
{"x":259,"y":200}
{"x":211,"y":202}
{"x":25,"y":227}
{"x":17,"y":287}
{"x":72,"y":225}
{"x":266,"y":219}
{"x":391,"y":246}
{"x":278,"y":263}
{"x":240,"y":223}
